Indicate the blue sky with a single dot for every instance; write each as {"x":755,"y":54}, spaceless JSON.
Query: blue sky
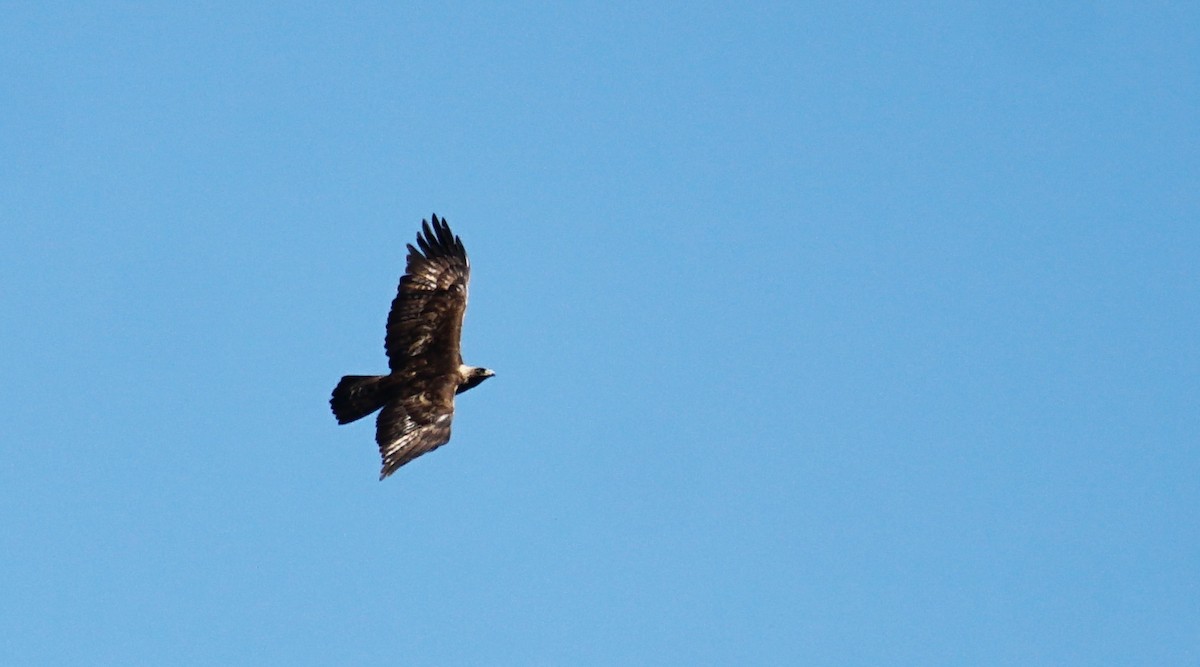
{"x":825,"y":334}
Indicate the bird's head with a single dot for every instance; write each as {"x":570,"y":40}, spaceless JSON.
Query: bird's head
{"x":473,"y":377}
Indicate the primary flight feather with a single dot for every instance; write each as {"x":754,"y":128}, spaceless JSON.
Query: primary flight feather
{"x":424,"y":332}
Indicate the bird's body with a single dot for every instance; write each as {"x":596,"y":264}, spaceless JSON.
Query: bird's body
{"x":424,"y":332}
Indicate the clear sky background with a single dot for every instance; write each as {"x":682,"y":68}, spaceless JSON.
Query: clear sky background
{"x":825,"y":334}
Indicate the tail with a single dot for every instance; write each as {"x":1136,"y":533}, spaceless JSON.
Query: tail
{"x":357,"y":396}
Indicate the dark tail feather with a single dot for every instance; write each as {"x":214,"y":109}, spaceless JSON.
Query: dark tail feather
{"x":357,"y":396}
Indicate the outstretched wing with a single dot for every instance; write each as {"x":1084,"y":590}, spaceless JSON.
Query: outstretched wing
{"x":424,"y":327}
{"x":411,"y":426}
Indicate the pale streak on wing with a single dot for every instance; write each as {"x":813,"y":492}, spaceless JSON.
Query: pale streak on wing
{"x":403,"y":435}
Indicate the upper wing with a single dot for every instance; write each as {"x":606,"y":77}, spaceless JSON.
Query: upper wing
{"x":424,"y":327}
{"x":411,"y":426}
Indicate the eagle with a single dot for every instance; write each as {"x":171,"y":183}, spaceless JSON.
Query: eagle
{"x":424,"y":331}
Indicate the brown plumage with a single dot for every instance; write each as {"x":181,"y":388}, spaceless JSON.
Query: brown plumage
{"x":424,"y":331}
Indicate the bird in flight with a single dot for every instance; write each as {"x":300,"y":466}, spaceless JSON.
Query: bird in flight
{"x":424,"y":332}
